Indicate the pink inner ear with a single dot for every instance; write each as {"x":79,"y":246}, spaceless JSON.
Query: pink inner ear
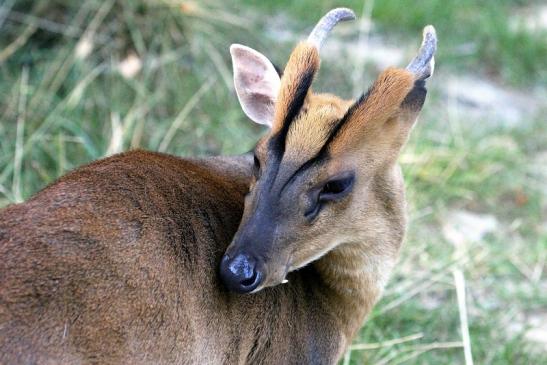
{"x":253,"y":78}
{"x":256,"y":82}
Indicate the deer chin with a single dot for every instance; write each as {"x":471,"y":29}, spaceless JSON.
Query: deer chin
{"x":276,"y":277}
{"x":301,"y":261}
{"x":279,"y":276}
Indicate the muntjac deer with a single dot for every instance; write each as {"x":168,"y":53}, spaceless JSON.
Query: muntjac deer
{"x":142,"y":257}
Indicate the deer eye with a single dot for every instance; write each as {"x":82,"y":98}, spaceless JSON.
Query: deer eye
{"x":337,"y":188}
{"x":332,"y":190}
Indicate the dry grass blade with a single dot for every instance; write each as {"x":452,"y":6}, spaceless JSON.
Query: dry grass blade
{"x":4,"y":191}
{"x":4,"y":10}
{"x":422,"y":349}
{"x":17,"y":43}
{"x":442,"y":267}
{"x":537,"y":272}
{"x":416,"y":351}
{"x":408,"y":357}
{"x":396,"y":341}
{"x":18,"y":156}
{"x":85,"y":44}
{"x":62,"y":73}
{"x":436,"y":346}
{"x":116,"y":139}
{"x":76,"y":95}
{"x":209,"y":13}
{"x":462,"y":307}
{"x":428,"y":282}
{"x":45,"y":24}
{"x":219,"y":63}
{"x":347,"y":357}
{"x":181,"y":117}
{"x":461,"y":245}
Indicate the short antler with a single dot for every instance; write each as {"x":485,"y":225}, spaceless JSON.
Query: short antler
{"x":423,"y":64}
{"x":327,"y":22}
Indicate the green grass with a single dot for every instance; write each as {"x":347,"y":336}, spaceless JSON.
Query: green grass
{"x":71,"y":104}
{"x":474,"y":35}
{"x":486,"y":172}
{"x":59,"y":110}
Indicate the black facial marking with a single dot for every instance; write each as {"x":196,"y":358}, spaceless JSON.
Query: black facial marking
{"x":416,"y":97}
{"x":293,"y":109}
{"x":323,"y":155}
{"x":308,"y":164}
{"x":276,"y":145}
{"x":256,"y":166}
{"x":338,"y":127}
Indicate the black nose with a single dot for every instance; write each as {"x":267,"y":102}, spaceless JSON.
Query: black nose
{"x":240,"y":273}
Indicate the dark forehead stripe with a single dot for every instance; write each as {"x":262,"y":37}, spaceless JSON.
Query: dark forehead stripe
{"x":335,"y":131}
{"x":416,"y":97}
{"x":323,"y":154}
{"x":277,"y":143}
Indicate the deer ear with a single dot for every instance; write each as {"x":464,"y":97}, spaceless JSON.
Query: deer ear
{"x":256,"y":82}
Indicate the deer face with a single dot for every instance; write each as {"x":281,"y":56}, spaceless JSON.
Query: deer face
{"x":317,"y":170}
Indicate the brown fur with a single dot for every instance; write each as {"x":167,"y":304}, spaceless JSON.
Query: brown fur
{"x":117,"y":261}
{"x":304,"y":60}
{"x":367,"y":119}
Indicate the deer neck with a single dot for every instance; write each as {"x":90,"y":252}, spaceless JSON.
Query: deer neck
{"x":354,"y":273}
{"x":353,"y":279}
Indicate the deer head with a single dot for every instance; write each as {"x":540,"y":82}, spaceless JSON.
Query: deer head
{"x":313,"y":171}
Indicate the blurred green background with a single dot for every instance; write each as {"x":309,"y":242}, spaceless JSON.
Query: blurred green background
{"x":80,"y":80}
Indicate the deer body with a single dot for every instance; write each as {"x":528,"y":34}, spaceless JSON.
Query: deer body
{"x":115,"y":270}
{"x":140,"y":257}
